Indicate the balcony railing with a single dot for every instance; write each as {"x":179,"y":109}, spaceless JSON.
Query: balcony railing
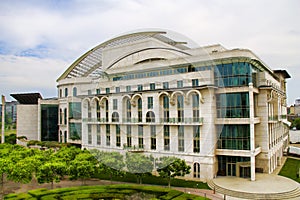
{"x":273,"y":118}
{"x":171,"y":120}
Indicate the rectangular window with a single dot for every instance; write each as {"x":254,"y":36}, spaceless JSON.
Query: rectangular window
{"x":181,"y":138}
{"x":165,"y":85}
{"x":98,"y":91}
{"x":195,"y":82}
{"x":89,"y":134}
{"x":115,"y":104}
{"x":233,"y":105}
{"x":128,"y":88}
{"x":153,"y":137}
{"x":140,"y":87}
{"x":129,"y":143}
{"x":107,"y":90}
{"x":75,"y":110}
{"x":89,"y":92}
{"x":141,"y":136}
{"x":150,"y":102}
{"x":66,"y":92}
{"x":179,"y":84}
{"x":98,"y":135}
{"x":118,"y":135}
{"x":196,"y":140}
{"x":107,"y":135}
{"x":235,"y":137}
{"x":152,"y":86}
{"x":117,"y":89}
{"x":166,"y":138}
{"x":75,"y":131}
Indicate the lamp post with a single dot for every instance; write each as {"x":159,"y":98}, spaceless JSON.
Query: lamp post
{"x":3,"y":120}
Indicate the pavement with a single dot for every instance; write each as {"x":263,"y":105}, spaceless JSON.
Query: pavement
{"x":269,"y":184}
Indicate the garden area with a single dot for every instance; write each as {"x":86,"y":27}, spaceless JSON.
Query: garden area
{"x":291,"y":169}
{"x":48,"y":167}
{"x":105,"y":192}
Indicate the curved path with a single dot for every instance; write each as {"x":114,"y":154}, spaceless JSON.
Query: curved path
{"x":266,"y":186}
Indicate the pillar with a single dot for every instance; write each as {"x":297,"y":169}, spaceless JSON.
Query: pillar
{"x":252,"y":133}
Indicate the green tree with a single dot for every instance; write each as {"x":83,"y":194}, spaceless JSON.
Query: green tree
{"x":83,"y":166}
{"x":296,"y":123}
{"x":170,"y":167}
{"x":67,"y":154}
{"x":113,"y":163}
{"x":5,"y":164}
{"x":139,"y":164}
{"x":51,"y":172}
{"x":22,"y":171}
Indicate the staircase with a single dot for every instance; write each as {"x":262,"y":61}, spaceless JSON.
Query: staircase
{"x":293,"y":194}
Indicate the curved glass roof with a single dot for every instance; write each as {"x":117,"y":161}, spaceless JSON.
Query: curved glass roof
{"x":90,"y":63}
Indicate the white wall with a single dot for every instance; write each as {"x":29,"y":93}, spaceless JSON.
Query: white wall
{"x":27,"y":121}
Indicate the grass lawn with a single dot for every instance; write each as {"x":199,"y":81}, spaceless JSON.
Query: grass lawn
{"x":105,"y":192}
{"x":290,"y":169}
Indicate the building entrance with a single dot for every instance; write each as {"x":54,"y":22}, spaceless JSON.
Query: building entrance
{"x":231,"y":169}
{"x":245,"y":171}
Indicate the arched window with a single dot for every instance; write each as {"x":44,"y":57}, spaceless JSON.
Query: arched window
{"x":115,"y":117}
{"x":166,"y":107}
{"x":65,"y":116}
{"x":140,"y":108}
{"x":98,"y":110}
{"x":180,"y":108}
{"x":150,"y":116}
{"x":60,"y":116}
{"x":89,"y":110}
{"x":128,"y":110}
{"x":74,"y":91}
{"x":195,"y":104}
{"x":196,"y":170}
{"x":66,"y":92}
{"x":106,"y":109}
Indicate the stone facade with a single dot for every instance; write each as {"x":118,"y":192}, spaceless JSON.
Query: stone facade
{"x":223,"y":111}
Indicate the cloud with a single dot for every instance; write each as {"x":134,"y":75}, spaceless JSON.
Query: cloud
{"x":24,"y":74}
{"x":61,"y":31}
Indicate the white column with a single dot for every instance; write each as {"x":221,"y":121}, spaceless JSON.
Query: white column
{"x":252,"y":134}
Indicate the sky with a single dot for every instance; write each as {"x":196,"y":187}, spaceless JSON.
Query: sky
{"x":39,"y":40}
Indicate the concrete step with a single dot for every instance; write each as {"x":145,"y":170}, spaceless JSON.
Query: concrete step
{"x":245,"y":195}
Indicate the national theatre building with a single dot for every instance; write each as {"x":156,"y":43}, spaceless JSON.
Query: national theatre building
{"x":221,"y":110}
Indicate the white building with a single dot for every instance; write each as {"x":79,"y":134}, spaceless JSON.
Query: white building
{"x":223,"y":111}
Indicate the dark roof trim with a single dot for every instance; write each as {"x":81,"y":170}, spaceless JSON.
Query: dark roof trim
{"x":283,"y":72}
{"x":27,"y":98}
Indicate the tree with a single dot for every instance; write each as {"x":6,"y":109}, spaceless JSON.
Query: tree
{"x":139,"y":165}
{"x":22,"y":171}
{"x":83,"y":166}
{"x":170,"y":167}
{"x":296,"y":123}
{"x":67,"y":154}
{"x":5,"y":164}
{"x":51,"y":171}
{"x":113,"y":163}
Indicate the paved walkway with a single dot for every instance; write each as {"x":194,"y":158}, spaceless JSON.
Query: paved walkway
{"x":265,"y":184}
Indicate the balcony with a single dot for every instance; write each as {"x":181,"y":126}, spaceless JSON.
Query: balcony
{"x":172,"y":120}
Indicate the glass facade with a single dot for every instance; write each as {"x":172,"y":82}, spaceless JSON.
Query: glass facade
{"x":233,"y":105}
{"x":227,"y":164}
{"x":49,"y":122}
{"x":75,"y":110}
{"x":75,"y":131}
{"x":235,"y":74}
{"x":235,"y":137}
